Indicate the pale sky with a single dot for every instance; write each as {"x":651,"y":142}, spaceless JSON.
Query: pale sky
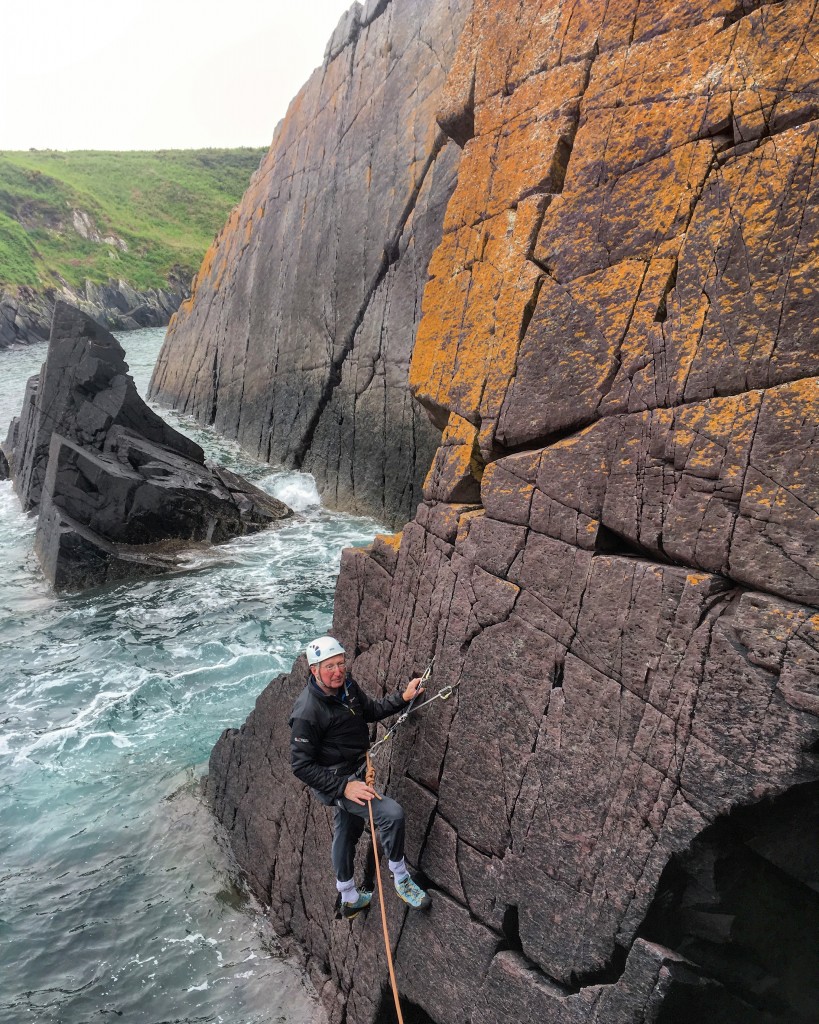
{"x":155,"y":74}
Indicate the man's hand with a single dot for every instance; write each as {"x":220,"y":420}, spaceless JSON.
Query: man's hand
{"x":414,"y":688}
{"x":359,"y":792}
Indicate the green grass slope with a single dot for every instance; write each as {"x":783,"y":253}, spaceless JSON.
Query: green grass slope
{"x":164,"y":206}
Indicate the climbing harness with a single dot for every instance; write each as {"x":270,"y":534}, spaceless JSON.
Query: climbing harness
{"x":443,"y":694}
{"x":370,"y":778}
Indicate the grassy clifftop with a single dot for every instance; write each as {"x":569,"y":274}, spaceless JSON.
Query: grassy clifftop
{"x":91,"y":216}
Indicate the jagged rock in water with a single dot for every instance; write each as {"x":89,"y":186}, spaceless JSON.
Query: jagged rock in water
{"x":616,"y":557}
{"x":299,"y":331}
{"x":117,"y":490}
{"x":82,"y":391}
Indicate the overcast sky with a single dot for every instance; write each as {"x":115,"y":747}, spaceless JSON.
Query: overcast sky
{"x":155,"y":74}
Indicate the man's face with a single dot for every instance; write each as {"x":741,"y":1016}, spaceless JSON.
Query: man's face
{"x":330,"y":673}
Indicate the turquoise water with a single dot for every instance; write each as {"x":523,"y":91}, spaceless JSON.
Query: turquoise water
{"x":118,"y":899}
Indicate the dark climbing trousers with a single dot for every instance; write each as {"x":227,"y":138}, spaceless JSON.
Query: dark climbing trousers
{"x":349,"y":824}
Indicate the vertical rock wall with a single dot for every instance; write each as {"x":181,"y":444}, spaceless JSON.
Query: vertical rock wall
{"x":615,"y":561}
{"x":297,"y":337}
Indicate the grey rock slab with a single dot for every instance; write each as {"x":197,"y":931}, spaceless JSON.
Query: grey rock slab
{"x":75,"y":558}
{"x":114,"y":483}
{"x":83,"y":390}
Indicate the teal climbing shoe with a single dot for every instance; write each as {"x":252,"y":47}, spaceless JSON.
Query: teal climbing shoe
{"x":351,"y":910}
{"x":412,"y":893}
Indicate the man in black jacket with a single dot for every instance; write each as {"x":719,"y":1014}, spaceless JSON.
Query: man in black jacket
{"x":328,"y":744}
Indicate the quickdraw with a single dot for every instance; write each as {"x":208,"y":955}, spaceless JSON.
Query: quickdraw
{"x":443,"y":694}
{"x":424,"y":680}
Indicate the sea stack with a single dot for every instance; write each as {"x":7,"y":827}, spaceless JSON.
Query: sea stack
{"x":116,"y":489}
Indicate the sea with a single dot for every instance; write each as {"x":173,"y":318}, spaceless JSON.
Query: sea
{"x":119,"y":899}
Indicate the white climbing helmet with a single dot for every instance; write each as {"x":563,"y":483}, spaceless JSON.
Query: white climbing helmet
{"x":322,"y":648}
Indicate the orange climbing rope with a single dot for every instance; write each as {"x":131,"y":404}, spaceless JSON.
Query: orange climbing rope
{"x":370,"y":780}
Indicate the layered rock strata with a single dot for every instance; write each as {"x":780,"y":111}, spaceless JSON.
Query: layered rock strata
{"x":299,"y":331}
{"x":26,"y":315}
{"x":117,"y":489}
{"x":615,"y":562}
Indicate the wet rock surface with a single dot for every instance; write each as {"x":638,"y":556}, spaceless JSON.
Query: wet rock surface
{"x":117,"y":490}
{"x":299,"y":331}
{"x":615,"y":562}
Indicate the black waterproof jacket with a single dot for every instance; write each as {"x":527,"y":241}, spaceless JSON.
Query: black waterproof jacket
{"x":331,"y":733}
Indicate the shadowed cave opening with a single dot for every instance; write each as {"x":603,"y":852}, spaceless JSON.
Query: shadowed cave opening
{"x":742,"y":906}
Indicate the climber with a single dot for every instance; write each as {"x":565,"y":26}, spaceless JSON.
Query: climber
{"x":328,"y":745}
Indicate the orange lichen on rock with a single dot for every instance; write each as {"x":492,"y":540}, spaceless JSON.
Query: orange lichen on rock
{"x":678,"y":243}
{"x":456,"y":471}
{"x":570,"y":353}
{"x":391,"y":540}
{"x":730,"y":485}
{"x":474,"y":306}
{"x":483,"y":285}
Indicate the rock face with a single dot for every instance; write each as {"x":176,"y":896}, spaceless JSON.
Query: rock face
{"x":298,"y":335}
{"x":115,"y":487}
{"x":615,"y":561}
{"x":26,"y":315}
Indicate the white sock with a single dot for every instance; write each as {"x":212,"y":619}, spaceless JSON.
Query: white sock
{"x":349,"y":893}
{"x":399,"y":870}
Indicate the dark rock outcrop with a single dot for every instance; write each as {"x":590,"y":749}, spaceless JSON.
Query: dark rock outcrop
{"x":26,"y":315}
{"x":615,"y":560}
{"x":299,"y":332}
{"x":116,"y":488}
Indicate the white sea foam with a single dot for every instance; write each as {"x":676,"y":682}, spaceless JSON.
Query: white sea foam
{"x":58,"y":736}
{"x":298,"y":490}
{"x":116,"y":738}
{"x":192,"y":938}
